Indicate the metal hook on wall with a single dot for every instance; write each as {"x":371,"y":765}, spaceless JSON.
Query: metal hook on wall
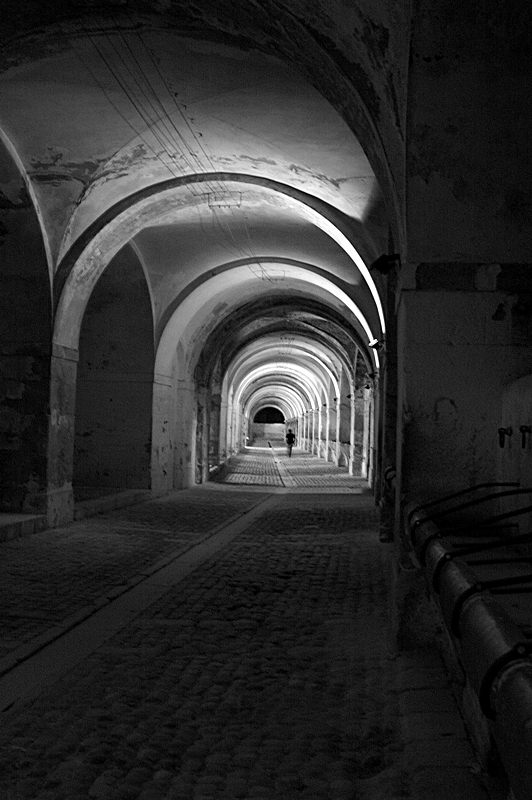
{"x":524,"y":429}
{"x":503,"y":432}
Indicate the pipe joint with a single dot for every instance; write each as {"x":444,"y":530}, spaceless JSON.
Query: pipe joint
{"x":495,"y":673}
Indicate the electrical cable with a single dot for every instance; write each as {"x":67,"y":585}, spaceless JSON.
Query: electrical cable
{"x":172,"y":96}
{"x":97,"y":81}
{"x":157,"y":123}
{"x":160,"y":115}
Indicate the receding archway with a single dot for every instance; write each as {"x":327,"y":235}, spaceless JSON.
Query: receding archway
{"x":267,"y":425}
{"x":112,"y":445}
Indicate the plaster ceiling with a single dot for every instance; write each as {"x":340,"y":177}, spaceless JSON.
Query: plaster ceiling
{"x":231,"y":176}
{"x":120,"y":111}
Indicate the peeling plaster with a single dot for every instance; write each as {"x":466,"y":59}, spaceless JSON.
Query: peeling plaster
{"x":336,"y":182}
{"x":82,"y":171}
{"x":255,"y":160}
{"x":54,"y":178}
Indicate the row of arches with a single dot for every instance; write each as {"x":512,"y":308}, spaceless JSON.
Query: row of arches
{"x":192,"y":265}
{"x":130,"y":414}
{"x":325,"y":391}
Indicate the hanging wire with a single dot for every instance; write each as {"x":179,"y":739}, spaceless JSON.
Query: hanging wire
{"x":138,"y":134}
{"x":173,"y":98}
{"x":160,"y":115}
{"x":141,"y":111}
{"x":147,"y":104}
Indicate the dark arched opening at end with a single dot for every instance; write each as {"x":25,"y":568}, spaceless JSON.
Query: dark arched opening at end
{"x":267,"y":427}
{"x":269,"y":415}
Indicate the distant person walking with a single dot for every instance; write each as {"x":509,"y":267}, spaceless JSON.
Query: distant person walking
{"x":290,"y":440}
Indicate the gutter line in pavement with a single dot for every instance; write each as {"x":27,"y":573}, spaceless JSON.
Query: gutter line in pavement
{"x":31,"y":669}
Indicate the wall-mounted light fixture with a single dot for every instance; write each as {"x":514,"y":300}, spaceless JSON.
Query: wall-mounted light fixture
{"x":385,"y":263}
{"x":524,"y":430}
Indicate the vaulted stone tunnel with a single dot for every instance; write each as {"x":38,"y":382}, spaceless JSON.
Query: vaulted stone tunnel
{"x":223,"y":195}
{"x":210,"y":208}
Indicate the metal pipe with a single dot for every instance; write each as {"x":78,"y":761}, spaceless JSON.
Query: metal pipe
{"x":478,"y":500}
{"x":512,"y":727}
{"x":497,"y":518}
{"x":490,"y":642}
{"x":490,"y":646}
{"x":446,"y":498}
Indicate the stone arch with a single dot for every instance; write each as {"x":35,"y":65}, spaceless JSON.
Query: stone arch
{"x":25,"y":344}
{"x":192,"y":322}
{"x":369,"y":103}
{"x":83,"y":264}
{"x":114,"y":393}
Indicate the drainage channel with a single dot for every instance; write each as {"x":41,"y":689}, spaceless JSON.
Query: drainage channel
{"x":24,"y":682}
{"x":284,"y":476}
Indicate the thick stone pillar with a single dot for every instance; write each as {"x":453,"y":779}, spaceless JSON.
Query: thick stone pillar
{"x":234,"y":431}
{"x":352,"y":419}
{"x":24,"y":426}
{"x":338,"y":412}
{"x":457,"y":352}
{"x":58,"y":499}
{"x":366,"y":435}
{"x":202,"y":435}
{"x":388,"y":455}
{"x":464,"y":310}
{"x":223,"y":431}
{"x":25,"y":347}
{"x":163,"y":435}
{"x":327,"y":430}
{"x":185,"y":435}
{"x":214,"y":431}
{"x":319,"y":413}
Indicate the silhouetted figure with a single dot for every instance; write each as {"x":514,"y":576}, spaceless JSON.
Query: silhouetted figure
{"x":290,"y":439}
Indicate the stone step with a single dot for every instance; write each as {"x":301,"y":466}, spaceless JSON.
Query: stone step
{"x":13,"y":526}
{"x":108,"y":502}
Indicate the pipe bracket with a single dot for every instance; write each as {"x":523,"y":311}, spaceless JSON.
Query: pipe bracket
{"x":518,"y":652}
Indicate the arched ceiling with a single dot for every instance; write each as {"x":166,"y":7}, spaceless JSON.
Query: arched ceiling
{"x":234,"y":180}
{"x":120,"y":111}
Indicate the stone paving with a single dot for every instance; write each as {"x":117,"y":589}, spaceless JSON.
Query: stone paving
{"x":268,"y":672}
{"x":272,"y":467}
{"x":305,"y":470}
{"x":48,"y":577}
{"x":254,"y":466}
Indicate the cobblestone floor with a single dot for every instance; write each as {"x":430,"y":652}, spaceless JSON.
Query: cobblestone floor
{"x":47,"y":577}
{"x":305,"y":470}
{"x":253,"y":466}
{"x":251,"y":678}
{"x":267,"y":672}
{"x":271,"y":467}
